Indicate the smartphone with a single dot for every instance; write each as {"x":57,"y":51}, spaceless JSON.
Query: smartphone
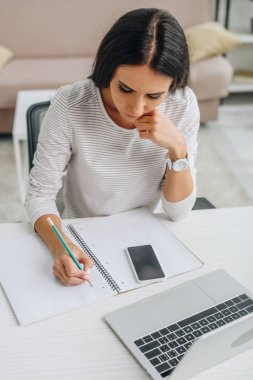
{"x":145,"y":263}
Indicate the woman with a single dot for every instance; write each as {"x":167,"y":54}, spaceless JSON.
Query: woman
{"x":125,"y":137}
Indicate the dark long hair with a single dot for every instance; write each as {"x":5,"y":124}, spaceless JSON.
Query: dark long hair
{"x":143,"y":36}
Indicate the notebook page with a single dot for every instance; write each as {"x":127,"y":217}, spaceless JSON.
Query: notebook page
{"x":108,"y":237}
{"x":33,"y":291}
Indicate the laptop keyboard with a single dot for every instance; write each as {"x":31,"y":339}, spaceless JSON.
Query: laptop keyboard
{"x":165,"y":347}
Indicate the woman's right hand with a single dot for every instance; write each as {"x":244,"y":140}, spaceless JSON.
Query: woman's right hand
{"x":64,"y":267}
{"x":66,"y":270}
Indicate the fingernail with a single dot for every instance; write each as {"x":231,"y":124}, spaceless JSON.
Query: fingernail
{"x":88,"y":270}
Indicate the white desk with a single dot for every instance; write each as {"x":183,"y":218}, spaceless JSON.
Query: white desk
{"x":79,"y":345}
{"x":19,"y":133}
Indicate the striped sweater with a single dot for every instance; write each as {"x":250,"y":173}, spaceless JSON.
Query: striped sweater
{"x":107,"y":169}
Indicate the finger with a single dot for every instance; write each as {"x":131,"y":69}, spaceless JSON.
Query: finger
{"x":145,"y":135}
{"x":151,"y":117}
{"x":86,"y":262}
{"x":85,"y":274}
{"x":143,"y":126}
{"x":59,"y":276}
{"x":144,"y":119}
{"x":149,"y":114}
{"x":80,"y":274}
{"x":69,"y":280}
{"x":70,"y":267}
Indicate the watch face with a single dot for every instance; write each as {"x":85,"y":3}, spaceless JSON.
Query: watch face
{"x":180,"y":165}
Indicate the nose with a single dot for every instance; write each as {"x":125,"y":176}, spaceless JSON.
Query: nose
{"x":136,"y":108}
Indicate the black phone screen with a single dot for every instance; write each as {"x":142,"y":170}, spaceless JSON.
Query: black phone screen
{"x":145,"y":262}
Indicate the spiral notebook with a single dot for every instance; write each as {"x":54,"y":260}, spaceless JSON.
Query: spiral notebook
{"x":35,"y":294}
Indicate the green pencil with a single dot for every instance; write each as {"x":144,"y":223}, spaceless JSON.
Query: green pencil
{"x":79,"y":266}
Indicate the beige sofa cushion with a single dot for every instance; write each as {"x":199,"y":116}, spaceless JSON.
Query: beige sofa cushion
{"x":27,"y":74}
{"x":209,"y":39}
{"x":210,"y":78}
{"x":5,"y":56}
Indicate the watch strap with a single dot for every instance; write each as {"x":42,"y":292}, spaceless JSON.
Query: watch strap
{"x":173,"y":163}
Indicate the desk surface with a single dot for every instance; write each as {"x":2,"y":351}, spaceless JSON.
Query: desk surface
{"x":79,"y":345}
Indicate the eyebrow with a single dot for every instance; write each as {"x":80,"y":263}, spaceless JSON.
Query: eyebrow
{"x":129,"y":88}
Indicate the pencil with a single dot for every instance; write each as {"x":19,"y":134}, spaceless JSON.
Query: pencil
{"x":79,"y":266}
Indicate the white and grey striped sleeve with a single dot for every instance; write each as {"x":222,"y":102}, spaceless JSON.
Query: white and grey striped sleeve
{"x":50,"y":160}
{"x":189,"y":127}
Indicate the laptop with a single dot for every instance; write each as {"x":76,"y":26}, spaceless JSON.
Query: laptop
{"x":185,"y":330}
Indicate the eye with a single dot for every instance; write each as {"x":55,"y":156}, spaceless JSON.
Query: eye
{"x":123,"y":89}
{"x":154,"y":96}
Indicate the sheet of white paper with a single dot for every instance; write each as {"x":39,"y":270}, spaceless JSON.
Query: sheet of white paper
{"x":33,"y":291}
{"x":26,"y":264}
{"x":108,"y":237}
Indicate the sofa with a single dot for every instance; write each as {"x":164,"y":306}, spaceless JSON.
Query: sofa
{"x":54,"y":43}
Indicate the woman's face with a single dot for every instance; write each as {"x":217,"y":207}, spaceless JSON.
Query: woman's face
{"x":137,"y":90}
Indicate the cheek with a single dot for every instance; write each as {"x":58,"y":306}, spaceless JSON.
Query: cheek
{"x":118,"y":98}
{"x":157,"y":102}
{"x":152,"y":104}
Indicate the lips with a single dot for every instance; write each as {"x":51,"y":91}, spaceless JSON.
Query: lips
{"x":132,"y":117}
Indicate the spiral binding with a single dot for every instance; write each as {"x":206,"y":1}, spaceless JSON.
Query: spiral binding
{"x":108,"y":278}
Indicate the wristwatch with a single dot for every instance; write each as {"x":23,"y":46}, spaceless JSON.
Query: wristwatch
{"x":178,"y":165}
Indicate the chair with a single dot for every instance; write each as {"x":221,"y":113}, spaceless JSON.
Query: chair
{"x":35,"y":115}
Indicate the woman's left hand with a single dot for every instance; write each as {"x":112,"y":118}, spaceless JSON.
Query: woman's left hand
{"x":155,"y":126}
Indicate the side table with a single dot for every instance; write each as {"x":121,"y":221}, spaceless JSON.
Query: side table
{"x":19,"y":134}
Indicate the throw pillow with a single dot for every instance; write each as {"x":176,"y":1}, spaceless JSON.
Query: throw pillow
{"x":209,"y":39}
{"x":5,"y":56}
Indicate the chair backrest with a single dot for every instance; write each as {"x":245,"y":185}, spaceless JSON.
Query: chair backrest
{"x":34,"y":116}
